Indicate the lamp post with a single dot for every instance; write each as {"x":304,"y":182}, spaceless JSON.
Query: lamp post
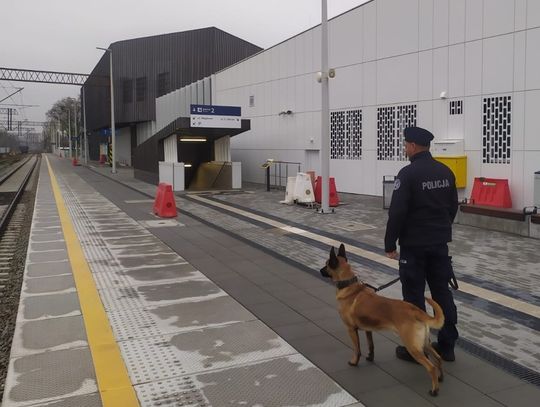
{"x":85,"y":141}
{"x":113,"y":132}
{"x":325,"y":113}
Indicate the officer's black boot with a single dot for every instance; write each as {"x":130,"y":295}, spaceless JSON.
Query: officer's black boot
{"x":446,"y":352}
{"x":403,"y":354}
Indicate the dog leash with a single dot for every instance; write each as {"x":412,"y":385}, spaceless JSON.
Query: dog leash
{"x":382,"y":287}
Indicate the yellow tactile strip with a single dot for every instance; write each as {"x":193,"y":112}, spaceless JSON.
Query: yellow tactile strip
{"x":113,"y":380}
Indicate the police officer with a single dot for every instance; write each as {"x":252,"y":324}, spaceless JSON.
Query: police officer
{"x":423,"y":207}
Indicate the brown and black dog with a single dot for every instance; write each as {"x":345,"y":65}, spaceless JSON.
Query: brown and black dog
{"x":361,"y":308}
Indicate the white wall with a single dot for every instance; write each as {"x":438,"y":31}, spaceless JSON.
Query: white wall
{"x":393,"y":52}
{"x":123,"y":146}
{"x":177,"y":103}
{"x":145,"y":130}
{"x":170,"y":149}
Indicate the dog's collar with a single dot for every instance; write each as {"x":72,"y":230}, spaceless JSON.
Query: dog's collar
{"x":346,"y":283}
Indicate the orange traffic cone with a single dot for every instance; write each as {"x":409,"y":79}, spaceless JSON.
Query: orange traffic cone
{"x":164,"y":204}
{"x":333,"y":198}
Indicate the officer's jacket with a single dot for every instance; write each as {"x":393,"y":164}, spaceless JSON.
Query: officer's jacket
{"x":424,"y":204}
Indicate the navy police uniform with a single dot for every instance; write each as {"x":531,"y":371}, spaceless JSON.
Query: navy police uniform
{"x":423,"y":207}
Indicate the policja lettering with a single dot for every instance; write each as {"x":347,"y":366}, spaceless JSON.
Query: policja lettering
{"x":440,"y":183}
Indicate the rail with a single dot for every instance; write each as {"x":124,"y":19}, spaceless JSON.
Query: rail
{"x":7,"y":213}
{"x":10,"y":173}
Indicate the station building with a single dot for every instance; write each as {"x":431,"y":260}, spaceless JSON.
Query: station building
{"x":146,"y":68}
{"x":468,"y":70}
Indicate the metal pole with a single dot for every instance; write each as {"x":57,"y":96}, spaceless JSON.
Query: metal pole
{"x":112,"y":116}
{"x":69,"y":134}
{"x":76,"y":132}
{"x":85,"y":141}
{"x":325,"y":113}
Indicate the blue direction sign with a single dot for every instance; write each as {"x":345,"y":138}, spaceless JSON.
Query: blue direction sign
{"x":106,"y":132}
{"x":216,"y":116}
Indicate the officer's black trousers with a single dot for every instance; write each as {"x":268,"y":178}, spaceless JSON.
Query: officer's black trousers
{"x":432,"y":264}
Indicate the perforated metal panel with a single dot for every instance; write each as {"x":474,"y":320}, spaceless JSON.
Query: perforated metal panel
{"x":456,"y":107}
{"x":497,"y":129}
{"x":346,"y":135}
{"x":385,"y":133}
{"x":391,"y":121}
{"x":337,"y":135}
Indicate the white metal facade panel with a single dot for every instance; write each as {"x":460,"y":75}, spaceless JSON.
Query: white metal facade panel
{"x":222,"y":149}
{"x":520,"y":60}
{"x":346,"y":90}
{"x":440,"y":119}
{"x":346,"y":35}
{"x":532,"y":124}
{"x":397,"y":27}
{"x":472,"y":112}
{"x":440,"y":23}
{"x":473,"y":68}
{"x":516,"y":170}
{"x":370,"y":31}
{"x":397,"y":79}
{"x":369,"y":86}
{"x":531,"y":165}
{"x":123,"y":146}
{"x":533,"y":13}
{"x":456,"y":21}
{"x":170,"y":149}
{"x":440,"y":71}
{"x":498,"y":17}
{"x":518,"y":115}
{"x":498,"y":64}
{"x":474,"y":17}
{"x":532,"y":69}
{"x":520,"y":11}
{"x":456,"y":70}
{"x":425,"y":75}
{"x":425,"y":24}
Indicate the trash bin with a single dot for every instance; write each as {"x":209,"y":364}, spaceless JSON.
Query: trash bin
{"x":537,"y":188}
{"x":388,"y":189}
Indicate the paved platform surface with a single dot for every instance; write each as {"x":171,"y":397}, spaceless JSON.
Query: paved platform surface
{"x":224,"y":306}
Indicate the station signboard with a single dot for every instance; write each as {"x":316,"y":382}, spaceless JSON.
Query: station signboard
{"x":216,"y":116}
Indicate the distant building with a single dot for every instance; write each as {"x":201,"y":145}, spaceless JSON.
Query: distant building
{"x":144,"y":69}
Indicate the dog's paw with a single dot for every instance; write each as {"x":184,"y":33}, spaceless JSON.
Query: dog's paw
{"x":370,"y":357}
{"x":354,"y":362}
{"x":434,"y":393}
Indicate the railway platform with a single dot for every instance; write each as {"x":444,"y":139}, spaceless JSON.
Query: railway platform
{"x":223,"y":306}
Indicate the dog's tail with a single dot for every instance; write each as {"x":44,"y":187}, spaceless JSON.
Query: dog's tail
{"x":437,"y":321}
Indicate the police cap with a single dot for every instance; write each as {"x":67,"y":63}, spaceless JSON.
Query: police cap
{"x":418,"y":135}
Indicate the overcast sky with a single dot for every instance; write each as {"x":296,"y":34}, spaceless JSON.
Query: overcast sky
{"x":62,"y":35}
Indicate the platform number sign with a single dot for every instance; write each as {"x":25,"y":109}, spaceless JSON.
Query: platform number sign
{"x":216,"y":116}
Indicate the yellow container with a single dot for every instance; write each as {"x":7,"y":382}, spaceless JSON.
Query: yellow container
{"x":458,"y":165}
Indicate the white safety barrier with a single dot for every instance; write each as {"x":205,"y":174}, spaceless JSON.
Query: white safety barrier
{"x":303,"y":189}
{"x":289,"y":192}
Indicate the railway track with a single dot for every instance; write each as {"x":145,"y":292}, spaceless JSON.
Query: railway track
{"x":17,"y":197}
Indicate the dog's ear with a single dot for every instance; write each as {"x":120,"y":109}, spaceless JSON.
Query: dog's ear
{"x":333,"y":262}
{"x":341,"y":251}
